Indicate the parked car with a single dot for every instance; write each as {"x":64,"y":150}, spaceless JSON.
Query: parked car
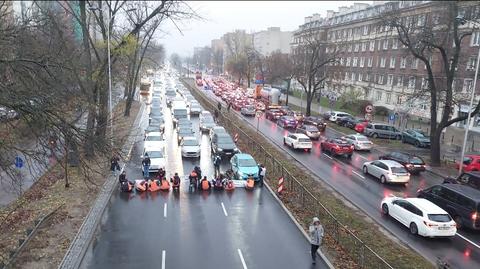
{"x":359,"y":142}
{"x":421,"y":216}
{"x":315,"y":121}
{"x":244,"y":166}
{"x":412,"y":163}
{"x":460,"y":201}
{"x":157,"y":158}
{"x":380,"y":130}
{"x":154,"y":140}
{"x":342,"y":121}
{"x":309,"y":130}
{"x":416,"y":137}
{"x":361,"y":126}
{"x":184,"y":123}
{"x":471,"y":179}
{"x":387,"y":171}
{"x":337,"y":146}
{"x":248,"y":110}
{"x":190,"y":147}
{"x":327,"y":115}
{"x":353,"y":122}
{"x":470,"y":163}
{"x":336,"y":115}
{"x":273,"y":114}
{"x":298,"y":141}
{"x":223,"y":145}
{"x":287,"y":122}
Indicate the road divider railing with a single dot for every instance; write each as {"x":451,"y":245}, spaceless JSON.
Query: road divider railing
{"x":297,"y":197}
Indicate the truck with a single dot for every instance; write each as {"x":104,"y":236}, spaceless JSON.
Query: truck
{"x":145,"y":87}
{"x":270,"y":97}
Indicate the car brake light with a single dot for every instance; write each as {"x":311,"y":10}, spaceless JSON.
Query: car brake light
{"x":474,"y":216}
{"x":351,"y":146}
{"x":429,"y":224}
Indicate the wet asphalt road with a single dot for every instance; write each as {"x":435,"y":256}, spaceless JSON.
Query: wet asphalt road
{"x":366,"y":192}
{"x":195,"y":230}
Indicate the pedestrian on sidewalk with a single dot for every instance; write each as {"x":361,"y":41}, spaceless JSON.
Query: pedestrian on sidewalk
{"x":146,"y":166}
{"x":219,"y":106}
{"x":228,"y":106}
{"x":262,"y":171}
{"x":316,"y":237}
{"x":215,"y":114}
{"x":114,"y":166}
{"x":216,"y":164}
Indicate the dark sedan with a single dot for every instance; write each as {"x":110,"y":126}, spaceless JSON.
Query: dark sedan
{"x":287,"y":122}
{"x":412,"y":163}
{"x":416,"y":137}
{"x":315,"y":121}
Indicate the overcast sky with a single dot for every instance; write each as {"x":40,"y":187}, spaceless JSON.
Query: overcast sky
{"x":225,"y":16}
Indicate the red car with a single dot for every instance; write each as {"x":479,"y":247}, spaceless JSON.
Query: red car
{"x":360,"y":127}
{"x":337,"y":146}
{"x":470,"y":163}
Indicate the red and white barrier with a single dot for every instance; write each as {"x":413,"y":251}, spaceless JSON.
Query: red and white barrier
{"x":236,"y":137}
{"x":280,"y":185}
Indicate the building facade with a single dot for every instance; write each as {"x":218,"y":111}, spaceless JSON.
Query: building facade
{"x":375,"y":63}
{"x":272,"y":40}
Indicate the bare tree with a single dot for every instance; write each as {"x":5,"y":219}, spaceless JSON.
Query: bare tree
{"x":310,"y":61}
{"x":436,"y":40}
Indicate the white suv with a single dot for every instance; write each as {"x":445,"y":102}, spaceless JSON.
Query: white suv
{"x":298,"y":141}
{"x":335,"y":115}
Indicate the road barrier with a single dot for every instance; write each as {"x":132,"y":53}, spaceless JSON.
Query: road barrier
{"x":280,"y":185}
{"x":299,"y":196}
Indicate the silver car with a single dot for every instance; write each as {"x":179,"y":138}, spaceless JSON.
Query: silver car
{"x":359,"y":142}
{"x":387,"y":171}
{"x":380,"y":130}
{"x":248,"y":110}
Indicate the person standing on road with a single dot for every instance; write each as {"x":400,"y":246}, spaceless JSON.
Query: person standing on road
{"x":216,"y":164}
{"x":114,"y":166}
{"x":146,"y":166}
{"x":316,"y":237}
{"x":122,"y":177}
{"x":262,"y":171}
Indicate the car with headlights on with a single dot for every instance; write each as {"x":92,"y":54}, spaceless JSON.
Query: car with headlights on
{"x":421,"y":216}
{"x":190,"y":147}
{"x":309,"y":130}
{"x":359,"y":142}
{"x":387,"y":171}
{"x":337,"y":146}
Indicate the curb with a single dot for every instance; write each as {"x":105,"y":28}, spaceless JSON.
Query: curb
{"x":78,"y":247}
{"x":290,"y":215}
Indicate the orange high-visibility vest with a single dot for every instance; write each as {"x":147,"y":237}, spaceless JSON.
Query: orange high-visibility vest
{"x":165,"y":185}
{"x":154,"y":185}
{"x":250,"y":183}
{"x":205,"y":185}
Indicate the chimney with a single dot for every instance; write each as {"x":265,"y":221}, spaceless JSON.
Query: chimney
{"x":308,"y":19}
{"x":330,"y":13}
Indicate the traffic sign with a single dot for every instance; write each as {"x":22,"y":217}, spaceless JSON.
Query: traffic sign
{"x":368,"y":116}
{"x":258,"y":114}
{"x":392,"y":117}
{"x":369,"y":109}
{"x":18,"y":162}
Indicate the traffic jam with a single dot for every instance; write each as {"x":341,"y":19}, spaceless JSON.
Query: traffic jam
{"x":391,"y":186}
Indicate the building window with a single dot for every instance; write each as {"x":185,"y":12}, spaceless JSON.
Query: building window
{"x":395,"y":44}
{"x":353,"y":76}
{"x":411,"y":82}
{"x":350,"y":32}
{"x":436,"y":19}
{"x":380,"y":79}
{"x":390,"y":80}
{"x":372,"y":45}
{"x":364,"y":46}
{"x":378,"y":97}
{"x":399,"y":99}
{"x":362,"y":61}
{"x":341,"y":61}
{"x":392,"y":62}
{"x":385,"y":44}
{"x":379,"y":45}
{"x":475,"y":39}
{"x":400,"y":81}
{"x":370,"y":62}
{"x":348,"y":61}
{"x":367,"y":93}
{"x":350,"y":46}
{"x":383,"y":62}
{"x":389,"y":98}
{"x":360,"y":76}
{"x":467,"y":85}
{"x":421,"y":20}
{"x":471,"y":63}
{"x":415,"y":63}
{"x":403,"y":62}
{"x":355,"y":61}
{"x":365,"y":30}
{"x":424,"y":83}
{"x":346,"y":75}
{"x":357,"y":47}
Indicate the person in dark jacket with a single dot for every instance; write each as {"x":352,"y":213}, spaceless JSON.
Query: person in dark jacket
{"x":114,"y":166}
{"x":146,"y":166}
{"x":216,"y":163}
{"x":122,"y":177}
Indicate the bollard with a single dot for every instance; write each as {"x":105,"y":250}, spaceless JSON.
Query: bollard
{"x":280,"y":185}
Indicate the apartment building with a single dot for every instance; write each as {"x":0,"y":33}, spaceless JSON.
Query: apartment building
{"x":271,"y":40}
{"x":375,"y":63}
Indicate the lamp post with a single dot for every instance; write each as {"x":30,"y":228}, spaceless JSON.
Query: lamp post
{"x":462,"y":21}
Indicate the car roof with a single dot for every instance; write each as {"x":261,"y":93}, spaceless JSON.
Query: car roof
{"x":154,"y":148}
{"x":426,"y":205}
{"x":391,"y":163}
{"x":358,"y":136}
{"x":190,"y":138}
{"x":154,"y":134}
{"x":300,"y":135}
{"x":465,"y":190}
{"x":244,"y":156}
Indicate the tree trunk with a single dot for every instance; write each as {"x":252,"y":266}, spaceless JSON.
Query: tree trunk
{"x":288,"y":91}
{"x":103,"y":111}
{"x":308,"y":108}
{"x":435,"y":141}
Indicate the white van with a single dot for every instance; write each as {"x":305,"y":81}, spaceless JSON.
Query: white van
{"x":179,"y":110}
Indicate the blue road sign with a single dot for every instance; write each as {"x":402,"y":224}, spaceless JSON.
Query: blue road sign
{"x":18,"y":162}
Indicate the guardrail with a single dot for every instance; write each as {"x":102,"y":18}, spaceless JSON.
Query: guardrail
{"x":298,"y":196}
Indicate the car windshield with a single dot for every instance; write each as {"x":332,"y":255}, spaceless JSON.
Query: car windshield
{"x":190,"y":142}
{"x":154,"y":138}
{"x":467,"y":160}
{"x":340,"y":141}
{"x":399,"y":170}
{"x":362,"y":138}
{"x":420,"y":134}
{"x":416,"y":160}
{"x":311,"y":128}
{"x":155,"y":154}
{"x":289,"y":118}
{"x":303,"y":140}
{"x":224,"y":140}
{"x":439,"y":217}
{"x":180,"y":112}
{"x":247,"y":163}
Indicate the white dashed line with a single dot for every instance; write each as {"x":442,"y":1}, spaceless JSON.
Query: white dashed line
{"x":165,"y":210}
{"x":242,"y":259}
{"x":468,"y":240}
{"x":224,"y":210}
{"x":327,"y":156}
{"x":359,"y":175}
{"x":163,"y":259}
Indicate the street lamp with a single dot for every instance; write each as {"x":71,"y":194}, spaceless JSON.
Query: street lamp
{"x":462,"y":21}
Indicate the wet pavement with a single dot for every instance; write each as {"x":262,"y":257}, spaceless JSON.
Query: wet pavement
{"x":242,"y":229}
{"x":346,"y":177}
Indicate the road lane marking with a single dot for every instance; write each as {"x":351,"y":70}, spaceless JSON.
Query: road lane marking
{"x":468,"y":240}
{"x":224,"y":210}
{"x":165,"y":210}
{"x":362,"y":177}
{"x":242,"y":259}
{"x":327,"y":156}
{"x":360,"y":156}
{"x":163,"y":259}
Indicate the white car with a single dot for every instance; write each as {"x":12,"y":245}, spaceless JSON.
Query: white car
{"x":298,"y":141}
{"x":157,"y":158}
{"x":359,"y":142}
{"x":154,"y":140}
{"x":190,"y":147}
{"x":334,"y":115}
{"x":387,"y":171}
{"x":421,"y":216}
{"x":195,"y":109}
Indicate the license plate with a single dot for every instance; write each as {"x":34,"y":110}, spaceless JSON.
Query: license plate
{"x":228,"y":153}
{"x":417,"y":165}
{"x":444,"y":228}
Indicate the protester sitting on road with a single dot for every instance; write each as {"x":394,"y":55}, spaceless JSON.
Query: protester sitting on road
{"x":154,"y":185}
{"x":219,"y":182}
{"x":193,"y":177}
{"x":250,"y":183}
{"x":160,"y":174}
{"x":126,"y":186}
{"x":164,"y":185}
{"x":205,"y":184}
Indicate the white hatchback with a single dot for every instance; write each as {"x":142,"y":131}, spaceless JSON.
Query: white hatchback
{"x":421,"y":216}
{"x":298,"y":141}
{"x":154,"y":140}
{"x":157,"y":158}
{"x":387,"y":171}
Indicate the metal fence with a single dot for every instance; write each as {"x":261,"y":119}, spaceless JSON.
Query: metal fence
{"x":298,"y":196}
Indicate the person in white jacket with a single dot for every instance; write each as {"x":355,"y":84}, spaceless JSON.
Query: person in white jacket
{"x":316,"y":237}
